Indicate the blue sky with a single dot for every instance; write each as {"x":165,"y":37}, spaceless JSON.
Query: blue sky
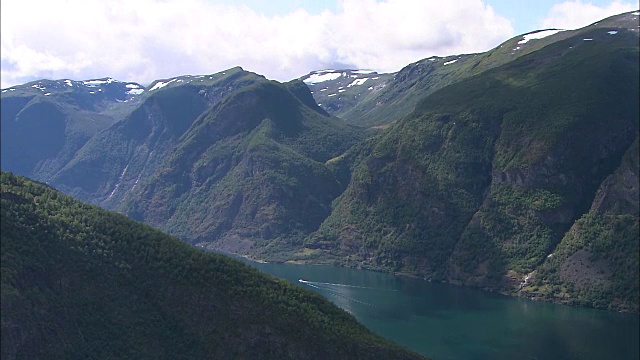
{"x":144,"y":40}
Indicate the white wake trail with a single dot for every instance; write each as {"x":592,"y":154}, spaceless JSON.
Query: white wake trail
{"x":333,"y":292}
{"x":342,"y":285}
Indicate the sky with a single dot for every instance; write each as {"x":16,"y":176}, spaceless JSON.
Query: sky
{"x":144,"y":40}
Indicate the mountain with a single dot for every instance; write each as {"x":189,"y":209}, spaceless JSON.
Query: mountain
{"x":141,"y":137}
{"x":81,"y":282}
{"x":395,"y":95}
{"x":249,"y":174}
{"x":479,"y":184}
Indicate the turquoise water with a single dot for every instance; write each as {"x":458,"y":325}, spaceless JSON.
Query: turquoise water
{"x":445,"y":321}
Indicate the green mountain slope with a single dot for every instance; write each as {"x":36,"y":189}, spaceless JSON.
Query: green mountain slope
{"x":141,"y":138}
{"x":81,"y":282}
{"x":249,"y":174}
{"x":482,"y":180}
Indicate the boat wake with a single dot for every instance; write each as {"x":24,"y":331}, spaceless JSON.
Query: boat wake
{"x":341,"y":285}
{"x":338,"y":290}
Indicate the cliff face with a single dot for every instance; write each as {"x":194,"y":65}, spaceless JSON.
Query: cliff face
{"x":596,"y":262}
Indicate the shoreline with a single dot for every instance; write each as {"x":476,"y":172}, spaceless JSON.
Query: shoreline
{"x":516,"y":294}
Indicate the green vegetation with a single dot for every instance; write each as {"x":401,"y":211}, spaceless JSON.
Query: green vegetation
{"x":81,"y":282}
{"x":596,"y":263}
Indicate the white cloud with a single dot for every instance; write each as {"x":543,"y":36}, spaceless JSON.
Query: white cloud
{"x":144,"y":40}
{"x":577,"y":14}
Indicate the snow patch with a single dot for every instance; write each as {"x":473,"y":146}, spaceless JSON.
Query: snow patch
{"x":132,"y":86}
{"x":363,"y":71}
{"x":47,"y":94}
{"x":135,"y":91}
{"x":94,"y":83}
{"x":331,"y":95}
{"x":612,"y":32}
{"x":636,"y":13}
{"x":450,"y":62}
{"x":587,"y":39}
{"x":342,"y":90}
{"x":375,"y":78}
{"x":161,"y":84}
{"x":325,"y":89}
{"x":68,"y":82}
{"x":318,"y":78}
{"x":538,"y":35}
{"x":370,"y":88}
{"x":38,"y":86}
{"x":358,"y":82}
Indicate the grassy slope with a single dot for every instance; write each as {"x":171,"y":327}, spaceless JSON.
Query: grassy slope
{"x":81,"y":282}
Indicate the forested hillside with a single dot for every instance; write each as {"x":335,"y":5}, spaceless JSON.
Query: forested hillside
{"x":82,"y":282}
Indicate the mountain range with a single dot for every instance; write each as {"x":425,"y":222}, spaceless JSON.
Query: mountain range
{"x":513,"y":170}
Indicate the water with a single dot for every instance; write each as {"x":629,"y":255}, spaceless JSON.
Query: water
{"x":450,"y":322}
